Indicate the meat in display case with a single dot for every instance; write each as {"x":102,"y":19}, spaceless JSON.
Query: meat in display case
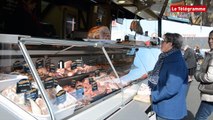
{"x":55,"y":79}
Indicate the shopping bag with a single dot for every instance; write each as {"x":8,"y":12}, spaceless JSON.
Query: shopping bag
{"x":150,"y":113}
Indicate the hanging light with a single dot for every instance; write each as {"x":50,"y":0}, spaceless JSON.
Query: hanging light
{"x":121,"y":1}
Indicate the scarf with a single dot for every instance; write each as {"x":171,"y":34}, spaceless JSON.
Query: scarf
{"x":154,"y":75}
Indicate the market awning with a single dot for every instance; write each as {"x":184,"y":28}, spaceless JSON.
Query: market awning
{"x":160,"y":9}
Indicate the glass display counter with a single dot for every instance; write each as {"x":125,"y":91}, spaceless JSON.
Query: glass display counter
{"x":57,"y":79}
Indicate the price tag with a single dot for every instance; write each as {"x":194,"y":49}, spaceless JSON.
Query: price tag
{"x":132,"y":51}
{"x":22,"y":86}
{"x":73,"y":66}
{"x":61,"y":64}
{"x":47,"y":62}
{"x":32,"y":94}
{"x":52,"y":67}
{"x":80,"y":92}
{"x":79,"y":63}
{"x":39,"y":63}
{"x":55,"y":83}
{"x":91,"y":80}
{"x":73,"y":83}
{"x":94,"y":86}
{"x":17,"y":65}
{"x":97,"y":73}
{"x":26,"y":68}
{"x":61,"y":96}
{"x":49,"y":83}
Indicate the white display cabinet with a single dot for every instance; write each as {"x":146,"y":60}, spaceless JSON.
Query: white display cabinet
{"x":63,"y":79}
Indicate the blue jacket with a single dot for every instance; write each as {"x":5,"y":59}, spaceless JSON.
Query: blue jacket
{"x":169,"y":95}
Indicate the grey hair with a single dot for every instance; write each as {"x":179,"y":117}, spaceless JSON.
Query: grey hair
{"x":175,"y":38}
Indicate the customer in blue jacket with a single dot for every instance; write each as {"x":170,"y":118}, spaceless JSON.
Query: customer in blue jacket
{"x":169,"y":80}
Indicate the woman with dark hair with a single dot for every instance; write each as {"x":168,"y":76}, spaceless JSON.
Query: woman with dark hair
{"x":169,"y":80}
{"x":205,"y":76}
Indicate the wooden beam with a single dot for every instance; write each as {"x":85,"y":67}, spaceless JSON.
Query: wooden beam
{"x":163,"y":8}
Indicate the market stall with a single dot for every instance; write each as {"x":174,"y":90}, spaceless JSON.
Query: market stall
{"x":63,"y":78}
{"x":57,"y":79}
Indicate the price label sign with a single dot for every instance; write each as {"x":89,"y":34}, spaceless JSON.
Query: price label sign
{"x":52,"y":67}
{"x":94,"y":86}
{"x":61,"y":96}
{"x":32,"y":94}
{"x":61,"y":64}
{"x":49,"y":83}
{"x":23,"y":85}
{"x":39,"y":63}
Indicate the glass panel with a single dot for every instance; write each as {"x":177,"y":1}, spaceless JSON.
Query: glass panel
{"x":74,"y":75}
{"x":123,"y":64}
{"x":17,"y":83}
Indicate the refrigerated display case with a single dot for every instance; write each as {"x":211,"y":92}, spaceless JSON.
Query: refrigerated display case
{"x":57,"y":79}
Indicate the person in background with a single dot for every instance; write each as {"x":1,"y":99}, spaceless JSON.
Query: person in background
{"x":24,"y":21}
{"x":197,"y":49}
{"x":191,"y":62}
{"x":199,"y":56}
{"x":169,"y":80}
{"x":205,"y":76}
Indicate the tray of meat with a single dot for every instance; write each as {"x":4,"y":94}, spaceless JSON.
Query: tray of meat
{"x":98,"y":96}
{"x":8,"y":79}
{"x":61,"y":111}
{"x":78,"y":77}
{"x":67,"y":80}
{"x":32,"y":102}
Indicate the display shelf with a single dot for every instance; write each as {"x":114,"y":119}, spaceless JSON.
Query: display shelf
{"x":107,"y":107}
{"x":107,"y":56}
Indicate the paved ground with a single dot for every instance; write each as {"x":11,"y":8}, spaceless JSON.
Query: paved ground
{"x":193,"y":101}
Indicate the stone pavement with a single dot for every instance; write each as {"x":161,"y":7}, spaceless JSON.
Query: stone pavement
{"x":193,"y":101}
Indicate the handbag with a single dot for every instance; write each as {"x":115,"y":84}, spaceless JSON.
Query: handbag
{"x":206,"y":88}
{"x":150,"y":113}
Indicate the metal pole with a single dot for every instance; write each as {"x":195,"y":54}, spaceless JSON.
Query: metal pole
{"x":201,"y":22}
{"x":159,"y":27}
{"x":36,"y":77}
{"x":122,"y":90}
